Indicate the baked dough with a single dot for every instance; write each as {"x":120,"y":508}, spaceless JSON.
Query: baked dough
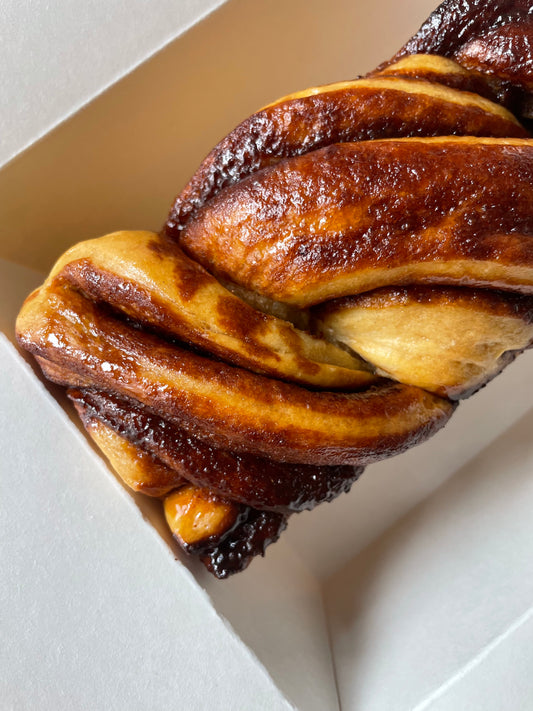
{"x":341,"y":270}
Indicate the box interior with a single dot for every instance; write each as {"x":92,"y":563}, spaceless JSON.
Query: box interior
{"x":350,"y":571}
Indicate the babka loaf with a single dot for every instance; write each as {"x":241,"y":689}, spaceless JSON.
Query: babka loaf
{"x":341,"y":270}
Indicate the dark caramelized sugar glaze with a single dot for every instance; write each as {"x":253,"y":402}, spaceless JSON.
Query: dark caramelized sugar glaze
{"x":302,"y":125}
{"x":376,"y":205}
{"x":492,"y":38}
{"x":259,"y":482}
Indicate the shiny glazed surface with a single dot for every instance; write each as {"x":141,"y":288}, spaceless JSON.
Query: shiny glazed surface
{"x":493,"y":39}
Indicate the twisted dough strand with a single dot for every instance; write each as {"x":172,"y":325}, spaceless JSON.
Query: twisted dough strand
{"x":150,"y":280}
{"x":225,"y":535}
{"x":360,"y":216}
{"x":227,"y":406}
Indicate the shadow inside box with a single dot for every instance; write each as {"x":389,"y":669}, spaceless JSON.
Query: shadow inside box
{"x":422,"y":605}
{"x":119,"y":162}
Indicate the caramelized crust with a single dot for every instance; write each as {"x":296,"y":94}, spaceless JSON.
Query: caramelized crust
{"x":225,"y":535}
{"x":227,"y":406}
{"x":494,"y":38}
{"x":496,"y":52}
{"x":194,"y":518}
{"x":360,"y":110}
{"x":249,"y":538}
{"x":256,"y":481}
{"x":455,"y":23}
{"x":358,"y":216}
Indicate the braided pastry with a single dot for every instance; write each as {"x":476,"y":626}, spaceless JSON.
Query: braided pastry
{"x":303,"y":312}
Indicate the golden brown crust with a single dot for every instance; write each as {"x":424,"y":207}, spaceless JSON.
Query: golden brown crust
{"x":232,"y":408}
{"x":441,"y":70}
{"x":358,"y":216}
{"x":450,"y":341}
{"x":150,"y":280}
{"x":138,"y":469}
{"x":197,"y":518}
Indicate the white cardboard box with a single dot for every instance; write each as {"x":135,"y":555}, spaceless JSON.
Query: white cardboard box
{"x":413,"y":592}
